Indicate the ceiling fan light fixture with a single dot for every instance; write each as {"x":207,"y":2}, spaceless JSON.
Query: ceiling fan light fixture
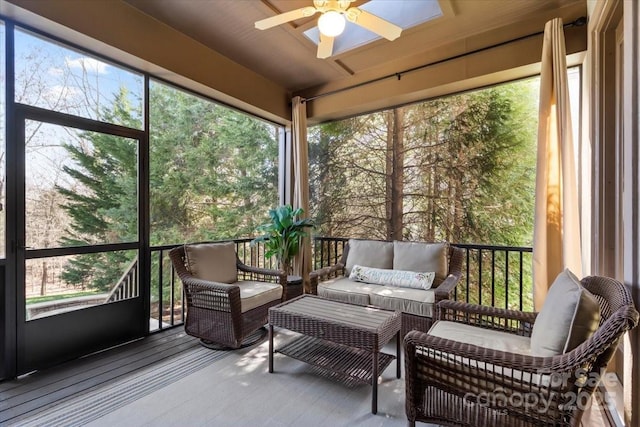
{"x":331,"y":23}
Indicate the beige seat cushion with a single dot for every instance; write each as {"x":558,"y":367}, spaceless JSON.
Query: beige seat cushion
{"x":485,"y":377}
{"x":570,"y":315}
{"x":422,"y":257}
{"x":369,"y":253}
{"x":254,"y":294}
{"x":346,"y":290}
{"x":481,"y":337}
{"x":215,"y":262}
{"x":406,"y":300}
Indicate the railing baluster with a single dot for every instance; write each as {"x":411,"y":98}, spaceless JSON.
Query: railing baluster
{"x":506,"y":279}
{"x":468,"y":274}
{"x":479,"y":272}
{"x":161,"y":281}
{"x":172,"y":299}
{"x":160,"y":291}
{"x":493,"y":278}
{"x":172,"y":281}
{"x":521,"y":280}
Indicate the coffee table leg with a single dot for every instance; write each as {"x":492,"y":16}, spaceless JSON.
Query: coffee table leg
{"x":374,"y":380}
{"x":398,"y":355}
{"x":270,"y":348}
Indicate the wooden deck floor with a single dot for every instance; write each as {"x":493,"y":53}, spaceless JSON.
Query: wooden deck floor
{"x":35,"y":396}
{"x":169,"y":379}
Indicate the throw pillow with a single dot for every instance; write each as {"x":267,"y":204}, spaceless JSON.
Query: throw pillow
{"x":399,"y":278}
{"x":215,"y":262}
{"x":569,"y":316}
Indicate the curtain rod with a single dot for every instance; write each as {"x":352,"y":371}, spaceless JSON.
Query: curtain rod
{"x":577,"y":23}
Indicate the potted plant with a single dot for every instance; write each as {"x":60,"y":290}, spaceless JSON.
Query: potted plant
{"x":282,"y":234}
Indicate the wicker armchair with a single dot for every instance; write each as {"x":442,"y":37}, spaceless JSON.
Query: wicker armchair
{"x":225,"y":314}
{"x":460,"y":384}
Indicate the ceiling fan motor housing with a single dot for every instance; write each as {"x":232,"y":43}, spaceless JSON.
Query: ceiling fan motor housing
{"x":323,"y":6}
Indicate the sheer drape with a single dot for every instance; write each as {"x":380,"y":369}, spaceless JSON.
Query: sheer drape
{"x":556,"y":237}
{"x":300,"y":177}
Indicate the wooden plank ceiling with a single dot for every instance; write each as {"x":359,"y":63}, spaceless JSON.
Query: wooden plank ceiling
{"x":285,"y":56}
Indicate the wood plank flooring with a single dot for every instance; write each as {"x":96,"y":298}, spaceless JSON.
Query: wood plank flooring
{"x":238,"y":391}
{"x":33,"y":394}
{"x":169,"y":379}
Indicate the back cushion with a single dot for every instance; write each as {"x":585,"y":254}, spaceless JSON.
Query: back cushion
{"x":215,"y":262}
{"x":422,"y":257}
{"x":369,"y":253}
{"x":570,"y":315}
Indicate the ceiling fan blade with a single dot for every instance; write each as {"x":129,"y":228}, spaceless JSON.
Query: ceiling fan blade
{"x":373,"y":23}
{"x":285,"y":17}
{"x":325,"y":47}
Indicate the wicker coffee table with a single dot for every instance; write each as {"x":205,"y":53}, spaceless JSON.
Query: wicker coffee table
{"x":342,"y":339}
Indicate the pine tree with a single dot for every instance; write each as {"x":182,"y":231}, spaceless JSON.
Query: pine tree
{"x":214,"y":171}
{"x":213,"y":175}
{"x":102,"y":204}
{"x":467,"y":169}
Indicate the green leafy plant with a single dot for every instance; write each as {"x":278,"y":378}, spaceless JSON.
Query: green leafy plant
{"x":282,"y":235}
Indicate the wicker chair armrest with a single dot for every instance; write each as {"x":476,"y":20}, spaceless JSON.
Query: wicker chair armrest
{"x":200,"y":284}
{"x":519,"y":322}
{"x":329,"y":271}
{"x":447,"y":288}
{"x":259,"y":270}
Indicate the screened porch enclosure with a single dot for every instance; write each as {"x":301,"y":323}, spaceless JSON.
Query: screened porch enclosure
{"x":102,"y":211}
{"x":113,"y":153}
{"x":438,"y":170}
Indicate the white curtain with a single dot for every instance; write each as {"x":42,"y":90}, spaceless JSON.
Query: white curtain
{"x":300,"y":177}
{"x":556,"y":236}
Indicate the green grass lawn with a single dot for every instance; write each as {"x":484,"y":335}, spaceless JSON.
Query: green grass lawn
{"x":34,"y":300}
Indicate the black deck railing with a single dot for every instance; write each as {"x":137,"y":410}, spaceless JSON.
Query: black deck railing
{"x":499,"y":276}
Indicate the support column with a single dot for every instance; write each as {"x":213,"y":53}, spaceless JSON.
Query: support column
{"x":631,"y":203}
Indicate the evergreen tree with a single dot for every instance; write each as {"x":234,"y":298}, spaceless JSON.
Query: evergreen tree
{"x":467,"y":163}
{"x":214,"y":171}
{"x":103,"y":202}
{"x":213,"y":175}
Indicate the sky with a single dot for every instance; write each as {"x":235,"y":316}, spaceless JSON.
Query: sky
{"x":59,"y":78}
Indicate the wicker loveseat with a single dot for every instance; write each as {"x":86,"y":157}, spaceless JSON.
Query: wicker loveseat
{"x":416,"y":304}
{"x":481,"y":365}
{"x":226,"y":299}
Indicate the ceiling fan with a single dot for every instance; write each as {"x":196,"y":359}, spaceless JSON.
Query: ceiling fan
{"x":332,"y":22}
